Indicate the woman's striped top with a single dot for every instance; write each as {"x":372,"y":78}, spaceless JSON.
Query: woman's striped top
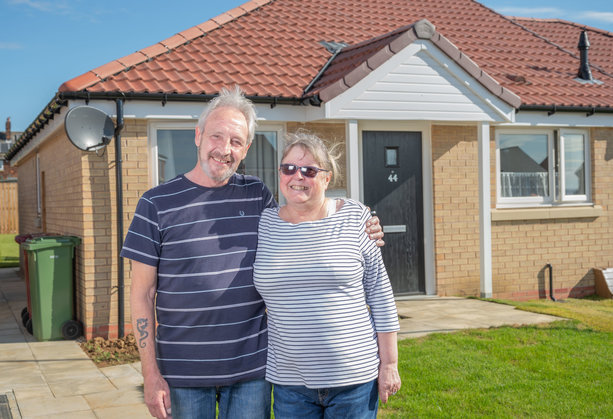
{"x":327,"y":294}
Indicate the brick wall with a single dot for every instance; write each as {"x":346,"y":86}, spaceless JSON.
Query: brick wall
{"x":522,"y":248}
{"x":573,"y":246}
{"x":100,"y":285}
{"x":79,"y":199}
{"x":456,"y":209}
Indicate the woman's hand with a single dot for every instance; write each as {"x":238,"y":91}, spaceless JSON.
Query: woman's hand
{"x":389,"y":381}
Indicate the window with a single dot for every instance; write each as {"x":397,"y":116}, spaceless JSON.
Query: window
{"x":391,"y":156}
{"x":174,"y":153}
{"x":261,"y":160}
{"x":542,"y":167}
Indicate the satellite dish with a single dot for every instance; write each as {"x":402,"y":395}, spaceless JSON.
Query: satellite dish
{"x":88,"y":128}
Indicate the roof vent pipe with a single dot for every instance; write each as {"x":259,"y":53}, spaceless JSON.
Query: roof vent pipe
{"x":584,"y":70}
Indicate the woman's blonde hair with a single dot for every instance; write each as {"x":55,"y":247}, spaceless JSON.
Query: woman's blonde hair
{"x":325,"y":155}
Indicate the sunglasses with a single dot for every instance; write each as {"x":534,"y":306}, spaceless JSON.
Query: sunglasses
{"x":306,"y":171}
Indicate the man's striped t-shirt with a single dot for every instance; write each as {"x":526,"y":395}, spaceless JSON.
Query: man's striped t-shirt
{"x":211,"y":321}
{"x":327,"y":294}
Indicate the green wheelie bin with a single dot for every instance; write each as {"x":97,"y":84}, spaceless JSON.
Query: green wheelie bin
{"x":50,"y":269}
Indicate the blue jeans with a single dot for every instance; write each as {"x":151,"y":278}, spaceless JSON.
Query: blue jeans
{"x":248,"y":399}
{"x":353,"y":402}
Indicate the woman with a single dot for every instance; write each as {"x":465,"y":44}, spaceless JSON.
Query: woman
{"x":332,"y":319}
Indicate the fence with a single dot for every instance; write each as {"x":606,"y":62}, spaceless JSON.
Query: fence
{"x":9,"y":219}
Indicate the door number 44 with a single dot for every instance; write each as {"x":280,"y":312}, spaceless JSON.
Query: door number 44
{"x":393,"y":177}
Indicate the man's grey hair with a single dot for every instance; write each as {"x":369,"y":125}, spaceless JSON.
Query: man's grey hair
{"x":236,"y":99}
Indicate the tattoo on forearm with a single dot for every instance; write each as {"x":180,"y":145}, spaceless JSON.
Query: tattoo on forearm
{"x":141,"y":326}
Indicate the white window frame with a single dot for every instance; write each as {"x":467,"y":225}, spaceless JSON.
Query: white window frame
{"x":154,"y":126}
{"x":279,"y":129}
{"x":587,"y":167}
{"x":557,"y":195}
{"x":153,"y":143}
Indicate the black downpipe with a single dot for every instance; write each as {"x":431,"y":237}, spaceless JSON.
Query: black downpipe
{"x":558,"y":108}
{"x":550,"y":281}
{"x":119,"y":193}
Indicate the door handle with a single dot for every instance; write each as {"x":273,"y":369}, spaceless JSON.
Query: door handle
{"x":399,"y":228}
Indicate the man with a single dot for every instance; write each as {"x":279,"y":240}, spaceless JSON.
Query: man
{"x":192,"y":243}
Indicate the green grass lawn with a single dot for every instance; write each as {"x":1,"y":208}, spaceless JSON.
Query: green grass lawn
{"x":594,"y":312}
{"x":559,"y":370}
{"x":9,"y":251}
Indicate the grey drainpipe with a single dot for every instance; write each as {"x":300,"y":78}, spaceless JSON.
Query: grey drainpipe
{"x":119,"y":196}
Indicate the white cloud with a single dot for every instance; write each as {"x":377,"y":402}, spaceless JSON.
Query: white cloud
{"x":9,"y":45}
{"x":598,"y":16}
{"x":556,"y":13}
{"x":34,"y":4}
{"x":550,"y":12}
{"x":43,"y":6}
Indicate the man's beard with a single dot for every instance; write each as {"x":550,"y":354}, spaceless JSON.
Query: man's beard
{"x":224,"y":175}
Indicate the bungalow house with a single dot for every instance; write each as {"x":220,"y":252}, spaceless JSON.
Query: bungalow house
{"x":7,"y":139}
{"x":484,"y":142}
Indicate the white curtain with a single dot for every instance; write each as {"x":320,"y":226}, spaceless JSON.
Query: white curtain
{"x":516,"y":184}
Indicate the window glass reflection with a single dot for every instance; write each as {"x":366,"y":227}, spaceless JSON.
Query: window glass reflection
{"x":176,"y":153}
{"x":574,"y":164}
{"x":524,"y":165}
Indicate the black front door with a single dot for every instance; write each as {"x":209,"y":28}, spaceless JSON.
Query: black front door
{"x":393,"y":187}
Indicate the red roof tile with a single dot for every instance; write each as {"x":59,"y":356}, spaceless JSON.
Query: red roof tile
{"x":79,"y":83}
{"x":272,"y":48}
{"x":566,"y":35}
{"x":352,"y":64}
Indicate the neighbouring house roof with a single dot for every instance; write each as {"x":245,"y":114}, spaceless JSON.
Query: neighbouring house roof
{"x":273,"y":50}
{"x":516,"y":160}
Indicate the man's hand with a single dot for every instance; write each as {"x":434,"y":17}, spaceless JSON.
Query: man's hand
{"x":373,"y":229}
{"x":157,"y":396}
{"x":142,"y":297}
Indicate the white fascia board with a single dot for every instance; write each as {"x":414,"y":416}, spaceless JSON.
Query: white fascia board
{"x":170,"y":112}
{"x":289,"y":113}
{"x":562,"y":119}
{"x":191,"y":111}
{"x":479,"y":103}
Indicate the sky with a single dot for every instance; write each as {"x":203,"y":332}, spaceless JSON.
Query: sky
{"x":44,"y":43}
